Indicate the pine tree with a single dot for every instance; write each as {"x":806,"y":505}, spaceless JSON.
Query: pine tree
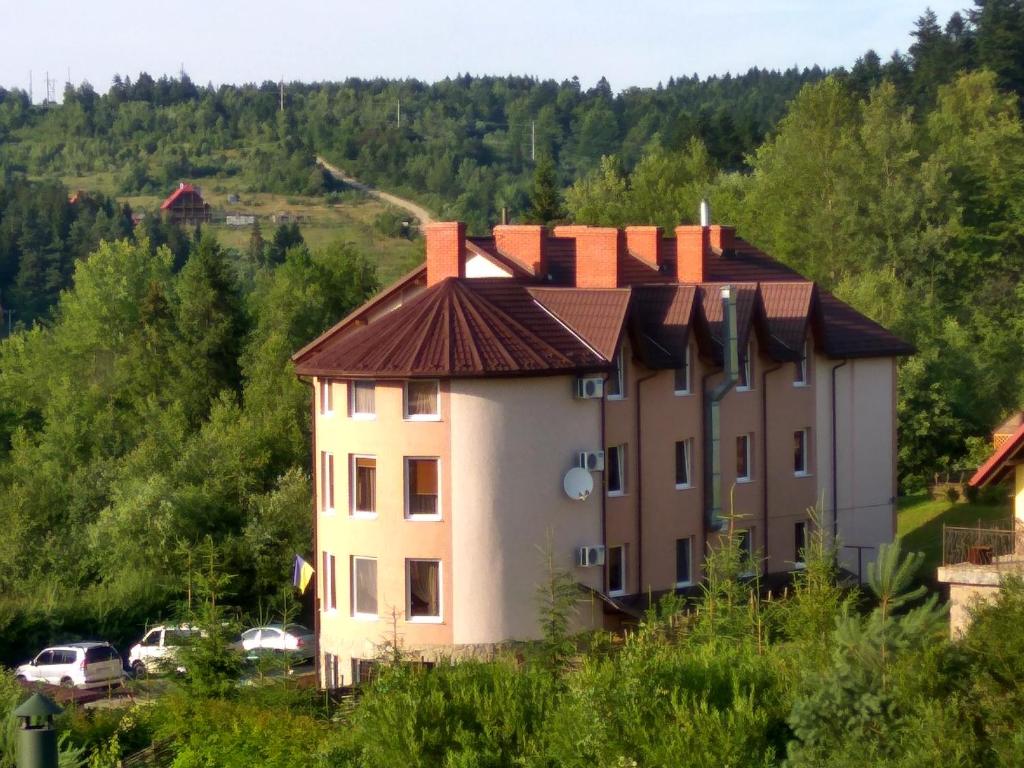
{"x":546,"y":200}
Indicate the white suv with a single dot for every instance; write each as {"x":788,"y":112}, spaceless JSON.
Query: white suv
{"x":77,"y":665}
{"x":158,"y":649}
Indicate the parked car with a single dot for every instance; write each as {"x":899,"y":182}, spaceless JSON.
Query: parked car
{"x":158,"y":649}
{"x":75,"y":665}
{"x":293,"y":638}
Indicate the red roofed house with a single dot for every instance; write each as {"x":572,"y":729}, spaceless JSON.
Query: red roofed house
{"x":461,"y":415}
{"x":185,"y":205}
{"x":976,"y":560}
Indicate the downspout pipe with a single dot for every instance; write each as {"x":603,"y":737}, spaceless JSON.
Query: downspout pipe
{"x":713,"y":428}
{"x":640,"y":486}
{"x":765,"y":475}
{"x":835,"y":460}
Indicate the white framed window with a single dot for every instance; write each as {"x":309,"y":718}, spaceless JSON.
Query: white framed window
{"x":746,"y":372}
{"x":423,"y":591}
{"x":422,"y":488}
{"x":329,"y":580}
{"x":744,"y":458}
{"x":684,"y":562}
{"x":326,"y":397}
{"x":362,"y":401}
{"x":681,"y":384}
{"x":422,"y":400}
{"x":801,"y":452}
{"x":802,"y":374}
{"x":615,"y":469}
{"x":364,"y":587}
{"x":326,"y":481}
{"x":684,"y":464}
{"x":617,"y":570}
{"x":800,"y":543}
{"x":363,"y":474}
{"x":616,"y":389}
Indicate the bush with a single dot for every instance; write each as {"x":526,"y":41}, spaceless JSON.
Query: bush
{"x":952,"y":494}
{"x":993,"y":495}
{"x":970,"y":493}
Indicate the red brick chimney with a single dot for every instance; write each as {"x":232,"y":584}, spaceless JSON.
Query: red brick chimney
{"x":446,"y":251}
{"x":598,"y":252}
{"x":644,"y":242}
{"x":693,"y":249}
{"x":723,"y":238}
{"x":524,"y":243}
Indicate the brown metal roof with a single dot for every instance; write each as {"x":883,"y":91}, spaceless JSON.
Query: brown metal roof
{"x":848,"y":333}
{"x":662,"y":317}
{"x":596,"y":314}
{"x":456,"y":328}
{"x":788,"y":310}
{"x":528,"y":323}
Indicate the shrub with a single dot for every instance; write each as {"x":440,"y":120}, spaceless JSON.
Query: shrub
{"x":952,"y":494}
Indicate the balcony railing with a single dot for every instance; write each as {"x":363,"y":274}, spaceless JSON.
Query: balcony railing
{"x":990,"y":547}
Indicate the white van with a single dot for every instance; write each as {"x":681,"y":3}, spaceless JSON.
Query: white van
{"x":158,"y":649}
{"x":75,"y":665}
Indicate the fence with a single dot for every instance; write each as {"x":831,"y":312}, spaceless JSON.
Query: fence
{"x":983,"y":546}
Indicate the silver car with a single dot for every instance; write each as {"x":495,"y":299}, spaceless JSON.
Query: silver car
{"x":74,"y":665}
{"x":294,"y":639}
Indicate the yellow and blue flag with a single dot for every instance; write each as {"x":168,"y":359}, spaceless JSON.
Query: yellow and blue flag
{"x":301,"y":573}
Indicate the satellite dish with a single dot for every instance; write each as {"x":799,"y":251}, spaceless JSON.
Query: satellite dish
{"x":578,"y":484}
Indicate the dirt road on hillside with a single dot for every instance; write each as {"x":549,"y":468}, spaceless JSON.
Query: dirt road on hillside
{"x":416,"y":210}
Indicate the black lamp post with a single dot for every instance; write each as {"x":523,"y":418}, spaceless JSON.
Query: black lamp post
{"x":37,"y":740}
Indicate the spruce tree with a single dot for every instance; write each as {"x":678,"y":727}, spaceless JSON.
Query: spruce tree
{"x":546,"y":200}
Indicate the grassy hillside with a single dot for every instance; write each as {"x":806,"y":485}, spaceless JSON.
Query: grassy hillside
{"x":348,"y":216}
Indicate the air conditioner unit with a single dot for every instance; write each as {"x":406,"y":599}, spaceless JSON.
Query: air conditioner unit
{"x":592,"y":460}
{"x":589,"y":387}
{"x":589,"y":557}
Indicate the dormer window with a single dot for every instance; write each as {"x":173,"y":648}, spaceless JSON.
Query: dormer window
{"x":682,"y":375}
{"x":801,"y":377}
{"x":746,"y":372}
{"x":616,"y":389}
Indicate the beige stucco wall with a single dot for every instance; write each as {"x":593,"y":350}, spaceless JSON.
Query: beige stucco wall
{"x":865,"y":453}
{"x":512,"y":442}
{"x":1018,"y":498}
{"x":961,"y":598}
{"x":389,"y":537}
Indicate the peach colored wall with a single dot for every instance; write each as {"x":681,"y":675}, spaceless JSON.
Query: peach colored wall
{"x":790,"y":408}
{"x":865,"y":453}
{"x":670,"y":514}
{"x":389,"y":537}
{"x":620,"y":429}
{"x":512,"y":442}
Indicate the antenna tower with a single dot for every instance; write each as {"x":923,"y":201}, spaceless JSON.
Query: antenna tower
{"x":281,"y":87}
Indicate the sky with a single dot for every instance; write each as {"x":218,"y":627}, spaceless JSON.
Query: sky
{"x":638,"y":43}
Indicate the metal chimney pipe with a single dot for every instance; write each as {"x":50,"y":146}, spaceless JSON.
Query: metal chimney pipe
{"x":730,"y":375}
{"x":705,"y":214}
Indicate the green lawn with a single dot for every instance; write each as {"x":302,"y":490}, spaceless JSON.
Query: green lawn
{"x":920,"y":520}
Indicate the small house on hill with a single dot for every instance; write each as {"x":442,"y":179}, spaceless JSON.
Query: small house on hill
{"x":186,"y":206}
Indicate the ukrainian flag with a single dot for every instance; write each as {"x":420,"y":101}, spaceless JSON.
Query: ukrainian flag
{"x":302,"y":572}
